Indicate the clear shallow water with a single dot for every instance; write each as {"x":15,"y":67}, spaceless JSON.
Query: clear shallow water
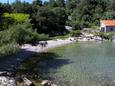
{"x":83,"y":64}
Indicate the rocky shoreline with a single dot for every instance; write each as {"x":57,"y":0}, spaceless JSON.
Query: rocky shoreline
{"x":27,"y":50}
{"x":7,"y":79}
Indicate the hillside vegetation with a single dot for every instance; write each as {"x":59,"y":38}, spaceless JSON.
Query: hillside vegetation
{"x":23,"y":22}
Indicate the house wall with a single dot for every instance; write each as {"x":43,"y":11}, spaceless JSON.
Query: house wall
{"x":102,"y":24}
{"x":110,"y":28}
{"x":102,"y":27}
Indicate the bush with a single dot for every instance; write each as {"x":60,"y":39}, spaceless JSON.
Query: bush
{"x":102,"y":35}
{"x":8,"y":49}
{"x":75,"y":25}
{"x":9,"y":19}
{"x":18,"y":34}
{"x":109,"y":15}
{"x":43,"y":37}
{"x":110,"y":35}
{"x":21,"y":34}
{"x":17,"y":17}
{"x":75,"y":33}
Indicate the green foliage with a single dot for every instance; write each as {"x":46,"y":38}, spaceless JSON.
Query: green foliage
{"x":21,"y":7}
{"x":75,"y":25}
{"x":87,"y":12}
{"x":20,"y":34}
{"x":8,"y":49}
{"x":71,"y":6}
{"x":17,"y":17}
{"x":52,"y":3}
{"x":110,"y":35}
{"x":49,"y":21}
{"x":2,"y":10}
{"x":101,"y":34}
{"x":6,"y":22}
{"x":9,"y":19}
{"x":37,"y":2}
{"x":42,"y":37}
{"x":61,"y":37}
{"x":60,"y":3}
{"x":75,"y":33}
{"x":109,"y":15}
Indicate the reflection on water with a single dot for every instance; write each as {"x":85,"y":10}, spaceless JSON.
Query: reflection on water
{"x":89,"y":64}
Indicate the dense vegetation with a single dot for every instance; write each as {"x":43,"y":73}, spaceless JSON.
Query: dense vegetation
{"x":88,"y":13}
{"x":23,"y":22}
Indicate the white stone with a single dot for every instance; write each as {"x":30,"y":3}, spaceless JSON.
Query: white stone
{"x":6,"y":81}
{"x":44,"y":82}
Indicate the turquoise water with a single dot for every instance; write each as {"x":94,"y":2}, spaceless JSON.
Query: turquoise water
{"x":83,"y":64}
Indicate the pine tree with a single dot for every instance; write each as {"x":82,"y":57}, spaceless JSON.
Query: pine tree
{"x":60,"y":3}
{"x":52,"y":3}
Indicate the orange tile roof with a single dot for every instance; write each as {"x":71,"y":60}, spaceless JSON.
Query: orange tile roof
{"x":108,"y":22}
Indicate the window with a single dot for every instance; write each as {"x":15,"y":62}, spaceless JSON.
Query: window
{"x":111,"y":29}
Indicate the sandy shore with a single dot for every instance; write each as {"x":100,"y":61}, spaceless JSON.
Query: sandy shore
{"x":50,"y":44}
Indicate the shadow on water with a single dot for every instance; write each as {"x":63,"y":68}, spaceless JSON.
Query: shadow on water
{"x":40,"y":64}
{"x":31,"y":64}
{"x":9,"y":64}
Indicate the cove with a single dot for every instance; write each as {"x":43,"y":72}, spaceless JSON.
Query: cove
{"x":82,"y":64}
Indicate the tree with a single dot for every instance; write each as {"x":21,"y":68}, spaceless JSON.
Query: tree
{"x":71,"y":5}
{"x":52,"y":3}
{"x":111,"y":5}
{"x":7,"y":7}
{"x":17,"y":7}
{"x":37,"y":2}
{"x":2,"y":10}
{"x":46,"y":3}
{"x":60,"y":3}
{"x":90,"y":11}
{"x":35,"y":5}
{"x":49,"y":21}
{"x":109,"y":15}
